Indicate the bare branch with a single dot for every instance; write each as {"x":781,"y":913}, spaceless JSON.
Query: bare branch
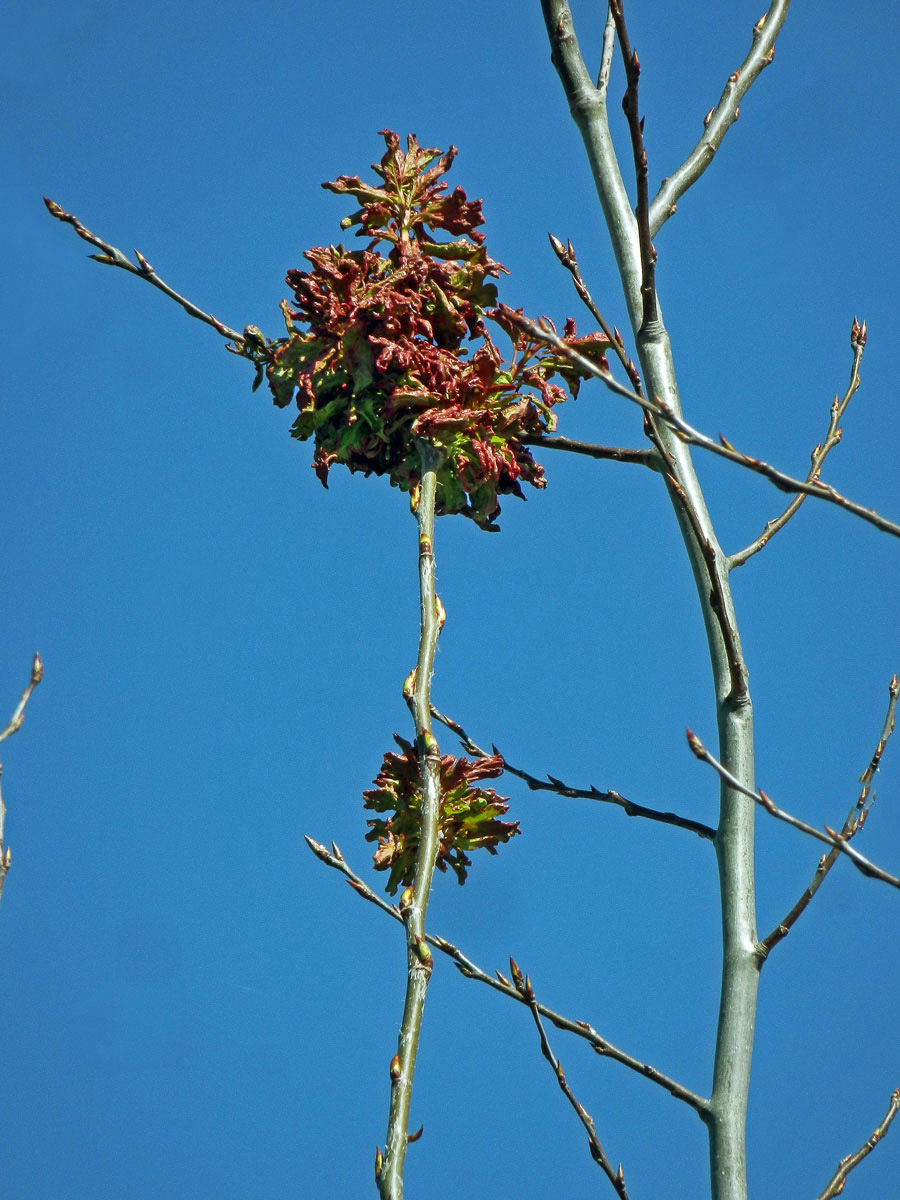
{"x":718,"y":120}
{"x":723,"y":448}
{"x":110,"y":256}
{"x":639,"y":152}
{"x":566,"y":255}
{"x":414,"y":902}
{"x":846,"y":1165}
{"x":13,"y":726}
{"x":500,"y":984}
{"x":829,"y":837}
{"x":856,"y":818}
{"x":818,"y":456}
{"x":623,"y":454}
{"x":526,"y":991}
{"x":561,"y":789}
{"x":606,"y":55}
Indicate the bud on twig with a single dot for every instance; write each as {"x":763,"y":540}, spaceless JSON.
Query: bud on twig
{"x":37,"y":670}
{"x":395,"y":1068}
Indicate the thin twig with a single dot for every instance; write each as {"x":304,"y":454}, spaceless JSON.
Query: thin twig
{"x":566,"y":255}
{"x":818,"y":456}
{"x":623,"y":454}
{"x":414,"y":902}
{"x":639,"y":152}
{"x":13,"y":726}
{"x":466,"y":967}
{"x":694,"y":437}
{"x":856,"y":818}
{"x":829,"y":837}
{"x":846,"y":1165}
{"x":606,"y":55}
{"x":561,"y":789}
{"x":523,"y":986}
{"x":110,"y":256}
{"x":719,"y":119}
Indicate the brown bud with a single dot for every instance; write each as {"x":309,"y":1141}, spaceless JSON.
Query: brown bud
{"x":37,"y":670}
{"x":395,"y":1068}
{"x":379,"y":1162}
{"x":695,"y":744}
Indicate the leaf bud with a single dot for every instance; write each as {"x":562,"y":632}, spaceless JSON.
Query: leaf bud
{"x":395,"y":1068}
{"x":37,"y":670}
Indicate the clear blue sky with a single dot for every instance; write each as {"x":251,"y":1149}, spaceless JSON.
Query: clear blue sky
{"x":191,"y":1005}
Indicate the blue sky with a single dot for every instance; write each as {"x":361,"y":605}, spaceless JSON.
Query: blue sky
{"x":191,"y":1004}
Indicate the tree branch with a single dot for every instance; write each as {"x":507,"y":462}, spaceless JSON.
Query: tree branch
{"x":846,"y":1165}
{"x":561,"y":789}
{"x":110,"y":256}
{"x":526,"y":991}
{"x":466,"y":967}
{"x":13,"y":726}
{"x":639,"y":152}
{"x":856,"y":818}
{"x":414,"y":901}
{"x":818,"y":456}
{"x":686,"y":433}
{"x":718,"y":120}
{"x":829,"y":837}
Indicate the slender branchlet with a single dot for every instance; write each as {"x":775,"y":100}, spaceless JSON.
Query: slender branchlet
{"x":819,"y":454}
{"x":522,"y":984}
{"x":500,"y":983}
{"x":856,"y":818}
{"x":845,"y":1166}
{"x":606,"y":54}
{"x":110,"y":256}
{"x":718,"y":120}
{"x":839,"y":841}
{"x":551,"y":784}
{"x":13,"y":726}
{"x":622,"y":454}
{"x":636,"y":131}
{"x":693,"y":437}
{"x":414,"y":901}
{"x":566,"y":255}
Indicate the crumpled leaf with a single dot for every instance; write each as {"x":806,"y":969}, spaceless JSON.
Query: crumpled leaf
{"x":470,"y":815}
{"x":374,"y":354}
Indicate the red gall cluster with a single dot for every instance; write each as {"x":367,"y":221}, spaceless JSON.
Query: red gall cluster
{"x":469,"y":818}
{"x":374,"y":353}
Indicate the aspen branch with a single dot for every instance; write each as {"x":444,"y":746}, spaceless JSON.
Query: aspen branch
{"x":846,"y":1165}
{"x":561,"y":789}
{"x":718,"y":120}
{"x":110,"y":256}
{"x":13,"y":726}
{"x":526,"y":991}
{"x":819,"y":454}
{"x":639,"y":153}
{"x":856,"y":818}
{"x":566,"y":255}
{"x":606,"y":55}
{"x":623,"y":454}
{"x":466,"y":967}
{"x":414,"y":901}
{"x":693,"y":437}
{"x":829,"y":837}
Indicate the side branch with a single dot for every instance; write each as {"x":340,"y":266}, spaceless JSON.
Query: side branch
{"x":718,"y":120}
{"x":622,"y":454}
{"x":561,"y":789}
{"x":639,"y":152}
{"x":693,"y":437}
{"x":466,"y":967}
{"x":818,"y":456}
{"x":856,"y":818}
{"x":829,"y":837}
{"x":846,"y":1165}
{"x":13,"y":726}
{"x":110,"y":256}
{"x":526,"y":991}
